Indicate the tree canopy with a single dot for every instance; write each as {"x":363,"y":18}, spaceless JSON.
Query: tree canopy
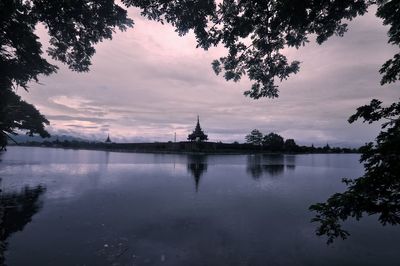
{"x":273,"y":142}
{"x":291,"y":146}
{"x":16,"y":114}
{"x":378,"y":191}
{"x":254,"y":33}
{"x":255,"y":137}
{"x":74,"y":28}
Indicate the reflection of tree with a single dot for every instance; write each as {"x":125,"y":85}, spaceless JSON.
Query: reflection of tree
{"x":254,"y":166}
{"x":16,"y":211}
{"x":197,"y":165}
{"x":274,"y":170}
{"x":272,"y":165}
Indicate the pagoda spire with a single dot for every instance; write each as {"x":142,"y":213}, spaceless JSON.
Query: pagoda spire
{"x":197,"y":134}
{"x":108,"y":140}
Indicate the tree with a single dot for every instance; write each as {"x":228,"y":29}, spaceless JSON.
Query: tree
{"x":378,"y":191}
{"x":16,"y":114}
{"x":255,"y":137}
{"x":290,"y":145}
{"x":273,"y":142}
{"x":74,"y":28}
{"x":255,"y":32}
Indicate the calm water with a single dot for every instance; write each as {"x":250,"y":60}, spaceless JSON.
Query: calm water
{"x":106,"y":208}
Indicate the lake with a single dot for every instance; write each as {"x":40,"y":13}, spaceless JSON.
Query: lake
{"x":79,"y":207}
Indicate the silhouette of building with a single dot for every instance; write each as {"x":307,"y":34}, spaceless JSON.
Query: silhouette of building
{"x":197,"y":134}
{"x":108,"y":140}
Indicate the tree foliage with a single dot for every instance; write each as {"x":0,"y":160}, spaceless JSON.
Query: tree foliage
{"x":16,"y":114}
{"x":255,"y":137}
{"x":378,"y":191}
{"x":255,"y":32}
{"x":291,"y":146}
{"x":74,"y":28}
{"x":273,"y":142}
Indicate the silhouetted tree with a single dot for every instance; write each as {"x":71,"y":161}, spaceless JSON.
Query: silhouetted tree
{"x":255,"y":137}
{"x":73,"y":26}
{"x":18,"y":114}
{"x":378,"y":191}
{"x":273,"y":142}
{"x":255,"y":32}
{"x":290,"y":145}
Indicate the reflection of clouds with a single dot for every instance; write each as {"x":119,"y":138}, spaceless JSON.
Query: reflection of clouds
{"x":68,"y":181}
{"x":63,"y":180}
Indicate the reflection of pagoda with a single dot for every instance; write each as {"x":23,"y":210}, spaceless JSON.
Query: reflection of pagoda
{"x":198,"y":134}
{"x":197,"y":165}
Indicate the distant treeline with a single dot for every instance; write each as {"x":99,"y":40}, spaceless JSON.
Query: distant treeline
{"x":276,"y":143}
{"x":209,"y":147}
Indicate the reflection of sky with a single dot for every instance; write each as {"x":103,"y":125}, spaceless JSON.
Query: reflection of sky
{"x":70,"y":173}
{"x":71,"y":181}
{"x":145,"y":207}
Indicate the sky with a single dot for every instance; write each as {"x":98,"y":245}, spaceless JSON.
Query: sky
{"x":148,"y":83}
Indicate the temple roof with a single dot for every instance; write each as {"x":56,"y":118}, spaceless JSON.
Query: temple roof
{"x":198,"y":134}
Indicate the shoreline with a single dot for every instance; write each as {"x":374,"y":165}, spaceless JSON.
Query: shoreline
{"x":187,"y":152}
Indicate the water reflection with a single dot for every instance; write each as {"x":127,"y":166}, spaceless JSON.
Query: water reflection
{"x":197,"y":166}
{"x":271,"y":165}
{"x":16,"y":211}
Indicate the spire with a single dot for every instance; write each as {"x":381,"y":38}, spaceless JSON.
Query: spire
{"x":108,"y":140}
{"x":198,"y":134}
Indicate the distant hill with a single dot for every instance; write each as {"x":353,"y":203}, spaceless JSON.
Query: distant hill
{"x":25,"y":138}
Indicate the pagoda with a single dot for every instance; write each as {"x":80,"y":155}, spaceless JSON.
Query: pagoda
{"x":108,"y":140}
{"x":198,"y":134}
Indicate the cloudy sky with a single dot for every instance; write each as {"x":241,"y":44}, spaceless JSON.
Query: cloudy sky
{"x":148,"y":83}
